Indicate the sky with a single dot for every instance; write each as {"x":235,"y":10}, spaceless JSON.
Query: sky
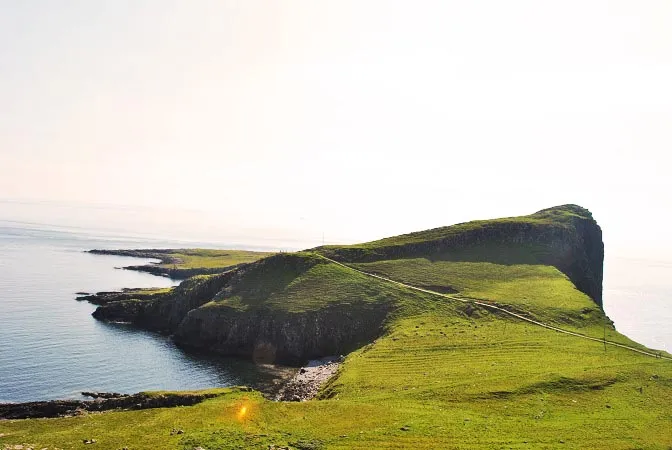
{"x":351,"y":120}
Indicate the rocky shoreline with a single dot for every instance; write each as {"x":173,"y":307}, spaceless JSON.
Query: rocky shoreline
{"x":304,"y":384}
{"x":102,"y":402}
{"x":309,"y":379}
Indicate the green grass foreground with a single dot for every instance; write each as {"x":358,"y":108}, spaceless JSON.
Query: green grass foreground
{"x":438,"y":379}
{"x":445,"y":374}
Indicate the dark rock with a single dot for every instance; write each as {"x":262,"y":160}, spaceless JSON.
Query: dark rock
{"x":104,"y":394}
{"x":59,"y":408}
{"x":282,"y":337}
{"x":164,"y":312}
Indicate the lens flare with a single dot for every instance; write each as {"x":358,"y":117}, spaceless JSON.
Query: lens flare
{"x":242,"y":412}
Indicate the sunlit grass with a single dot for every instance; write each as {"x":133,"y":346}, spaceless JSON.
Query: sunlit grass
{"x":207,"y":258}
{"x":439,"y":379}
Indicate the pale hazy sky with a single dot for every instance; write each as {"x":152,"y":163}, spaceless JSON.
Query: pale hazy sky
{"x":357,"y":118}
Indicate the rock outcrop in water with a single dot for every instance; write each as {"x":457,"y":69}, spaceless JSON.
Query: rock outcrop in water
{"x":59,"y":408}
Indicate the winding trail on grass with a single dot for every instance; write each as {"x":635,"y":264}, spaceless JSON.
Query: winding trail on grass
{"x":503,"y":310}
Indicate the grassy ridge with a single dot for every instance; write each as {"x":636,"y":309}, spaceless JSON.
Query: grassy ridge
{"x":303,"y":282}
{"x":560,"y":216}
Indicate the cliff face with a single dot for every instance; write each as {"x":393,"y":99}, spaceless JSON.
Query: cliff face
{"x":269,"y":336}
{"x":165,"y":312}
{"x":579,"y":254}
{"x":284,"y":309}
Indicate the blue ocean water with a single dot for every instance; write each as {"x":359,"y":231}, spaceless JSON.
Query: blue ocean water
{"x":51,"y":347}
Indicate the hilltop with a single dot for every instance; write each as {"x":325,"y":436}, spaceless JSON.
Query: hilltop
{"x":487,"y":334}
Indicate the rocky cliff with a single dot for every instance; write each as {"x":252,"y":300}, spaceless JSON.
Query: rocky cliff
{"x":270,"y":336}
{"x":164,"y":312}
{"x":274,"y":310}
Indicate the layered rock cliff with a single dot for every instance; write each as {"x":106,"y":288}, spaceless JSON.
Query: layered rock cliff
{"x":290,"y":337}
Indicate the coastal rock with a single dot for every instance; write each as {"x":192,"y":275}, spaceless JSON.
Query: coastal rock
{"x":307,"y":382}
{"x":59,"y":408}
{"x":266,"y":335}
{"x":164,"y":312}
{"x":104,"y":394}
{"x":282,"y":337}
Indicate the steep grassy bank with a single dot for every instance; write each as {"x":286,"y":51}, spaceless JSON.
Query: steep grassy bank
{"x":436,"y":373}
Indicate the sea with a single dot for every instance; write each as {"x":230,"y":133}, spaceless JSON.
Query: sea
{"x":51,"y":347}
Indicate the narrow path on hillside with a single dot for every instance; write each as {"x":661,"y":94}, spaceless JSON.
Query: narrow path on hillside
{"x":503,"y":310}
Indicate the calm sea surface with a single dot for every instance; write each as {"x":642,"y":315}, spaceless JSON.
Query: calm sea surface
{"x":638,"y":298}
{"x":51,"y":347}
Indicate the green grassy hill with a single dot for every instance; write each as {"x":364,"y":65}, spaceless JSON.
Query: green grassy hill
{"x":439,"y":371}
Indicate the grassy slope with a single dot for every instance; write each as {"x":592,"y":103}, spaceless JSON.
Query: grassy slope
{"x":148,"y":291}
{"x":304,"y":282}
{"x":445,"y":375}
